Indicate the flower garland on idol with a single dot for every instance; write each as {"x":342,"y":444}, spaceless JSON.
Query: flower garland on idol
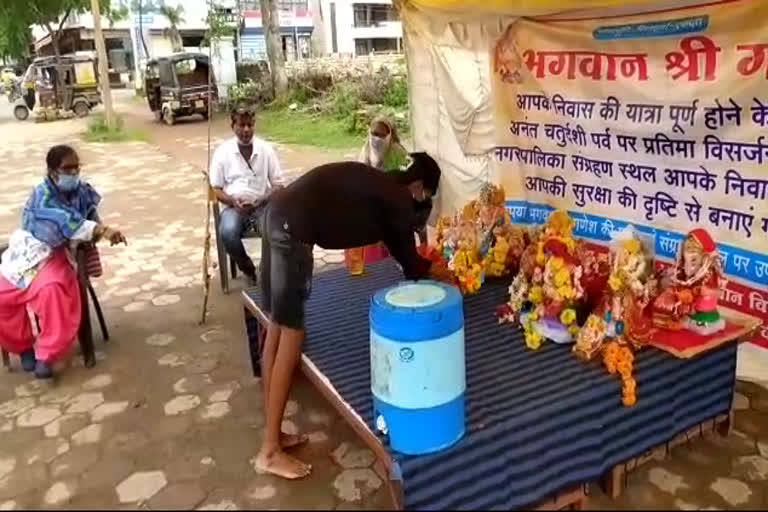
{"x":620,"y":326}
{"x":477,"y":242}
{"x":548,"y":290}
{"x":610,"y":306}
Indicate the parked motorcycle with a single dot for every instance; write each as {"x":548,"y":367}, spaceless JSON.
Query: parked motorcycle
{"x":16,"y":98}
{"x":14,"y":91}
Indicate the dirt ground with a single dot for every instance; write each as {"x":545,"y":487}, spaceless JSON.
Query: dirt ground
{"x":171,"y":417}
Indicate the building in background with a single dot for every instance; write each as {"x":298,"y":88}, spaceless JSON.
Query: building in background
{"x":324,"y":27}
{"x":361,"y":27}
{"x":307,"y":27}
{"x":78,"y":38}
{"x":145,"y":35}
{"x":150,"y":34}
{"x":296,"y":25}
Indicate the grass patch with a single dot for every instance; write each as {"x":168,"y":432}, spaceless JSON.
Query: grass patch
{"x":290,"y":127}
{"x":139,"y":98}
{"x":99,"y":132}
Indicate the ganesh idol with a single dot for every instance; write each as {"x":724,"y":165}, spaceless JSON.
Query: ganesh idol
{"x":692,"y":288}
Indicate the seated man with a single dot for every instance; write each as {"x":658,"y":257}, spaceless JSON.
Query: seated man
{"x":336,"y":206}
{"x":244,"y":172}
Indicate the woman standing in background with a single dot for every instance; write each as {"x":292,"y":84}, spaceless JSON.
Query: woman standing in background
{"x":382,"y":148}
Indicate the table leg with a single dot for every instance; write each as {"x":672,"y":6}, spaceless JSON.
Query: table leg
{"x":615,"y":481}
{"x":582,"y":504}
{"x":255,"y":334}
{"x":725,"y":425}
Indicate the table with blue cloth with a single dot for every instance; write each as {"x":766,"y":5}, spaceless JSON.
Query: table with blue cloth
{"x":538,"y":422}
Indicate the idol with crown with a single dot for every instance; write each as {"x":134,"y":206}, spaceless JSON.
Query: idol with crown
{"x":545,"y":294}
{"x":479,"y":241}
{"x":692,"y":287}
{"x":619,"y":325}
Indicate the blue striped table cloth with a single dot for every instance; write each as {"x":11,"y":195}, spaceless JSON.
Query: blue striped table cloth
{"x":538,"y":422}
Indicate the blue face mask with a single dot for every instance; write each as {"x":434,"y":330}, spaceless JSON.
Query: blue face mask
{"x":67,"y":182}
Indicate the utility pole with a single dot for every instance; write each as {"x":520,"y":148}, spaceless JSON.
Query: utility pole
{"x":101,"y":55}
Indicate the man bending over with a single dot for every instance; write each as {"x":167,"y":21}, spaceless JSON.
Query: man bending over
{"x":336,"y":206}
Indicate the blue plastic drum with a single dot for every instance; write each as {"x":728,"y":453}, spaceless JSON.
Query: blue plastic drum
{"x":418,"y":375}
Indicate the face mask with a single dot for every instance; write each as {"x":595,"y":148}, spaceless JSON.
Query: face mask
{"x":379,"y":144}
{"x":67,"y":182}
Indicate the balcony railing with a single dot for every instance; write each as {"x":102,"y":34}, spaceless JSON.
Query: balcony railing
{"x":373,"y":15}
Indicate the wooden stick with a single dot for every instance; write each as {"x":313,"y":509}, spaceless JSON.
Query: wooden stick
{"x":209,"y":194}
{"x":206,"y":255}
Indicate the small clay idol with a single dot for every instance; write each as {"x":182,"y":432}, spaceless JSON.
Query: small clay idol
{"x":693,"y":287}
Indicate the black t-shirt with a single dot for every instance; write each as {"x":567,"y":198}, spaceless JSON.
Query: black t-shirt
{"x":350,"y":204}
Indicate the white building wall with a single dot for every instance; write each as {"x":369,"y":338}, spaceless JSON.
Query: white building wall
{"x":347,"y":33}
{"x":296,"y":25}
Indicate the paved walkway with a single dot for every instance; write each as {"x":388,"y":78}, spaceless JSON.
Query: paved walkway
{"x":170,"y":417}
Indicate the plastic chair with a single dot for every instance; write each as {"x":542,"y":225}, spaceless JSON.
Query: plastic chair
{"x":86,"y":330}
{"x":85,"y":334}
{"x":221,"y":252}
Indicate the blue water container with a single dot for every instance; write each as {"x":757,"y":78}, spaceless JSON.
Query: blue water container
{"x":418,"y":375}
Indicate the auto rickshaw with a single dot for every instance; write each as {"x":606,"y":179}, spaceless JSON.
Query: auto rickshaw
{"x":71,"y":86}
{"x":177,"y":86}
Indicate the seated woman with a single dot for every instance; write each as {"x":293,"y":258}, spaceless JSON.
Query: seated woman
{"x":37,"y":270}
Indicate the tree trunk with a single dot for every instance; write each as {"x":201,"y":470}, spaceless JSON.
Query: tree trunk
{"x":270,"y":20}
{"x":318,"y":34}
{"x":59,"y":79}
{"x":176,"y":41}
{"x":101,"y":51}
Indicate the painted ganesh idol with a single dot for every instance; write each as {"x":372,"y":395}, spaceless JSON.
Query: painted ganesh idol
{"x":692,"y":288}
{"x":621,"y":314}
{"x":619,"y":325}
{"x":548,"y":289}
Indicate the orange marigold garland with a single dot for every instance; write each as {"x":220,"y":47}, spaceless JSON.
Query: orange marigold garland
{"x":619,"y":358}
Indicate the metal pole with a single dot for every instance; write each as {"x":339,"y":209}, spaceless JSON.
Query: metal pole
{"x":101,"y":53}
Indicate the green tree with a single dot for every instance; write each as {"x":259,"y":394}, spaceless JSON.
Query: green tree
{"x":175,"y":17}
{"x":51,"y":15}
{"x":219,"y":27}
{"x":116,"y":14}
{"x":15,"y":38}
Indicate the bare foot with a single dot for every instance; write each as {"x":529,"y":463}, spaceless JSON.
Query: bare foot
{"x":292,"y":440}
{"x":283,"y":465}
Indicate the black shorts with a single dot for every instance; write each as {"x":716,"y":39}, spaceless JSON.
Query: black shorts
{"x":286,"y":271}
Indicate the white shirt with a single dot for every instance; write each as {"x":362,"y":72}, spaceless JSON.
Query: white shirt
{"x":231,"y":173}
